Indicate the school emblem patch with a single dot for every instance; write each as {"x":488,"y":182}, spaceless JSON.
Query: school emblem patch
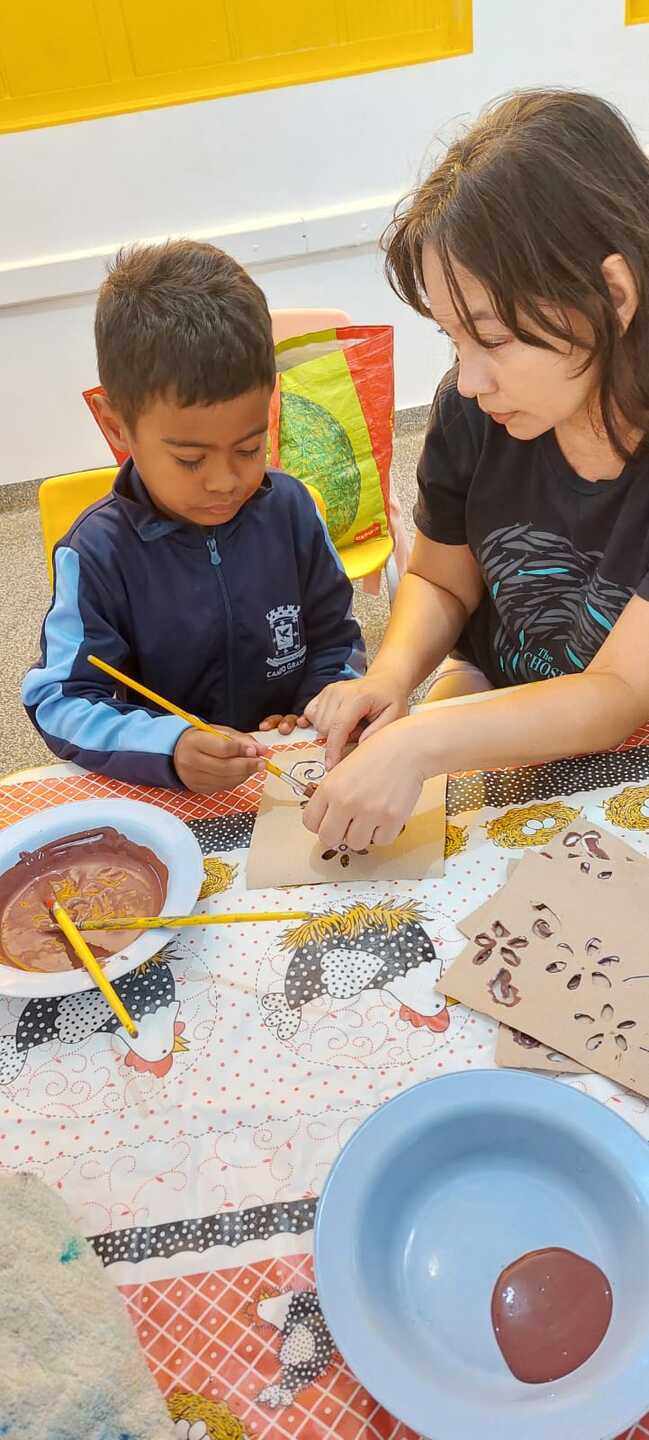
{"x":286,"y":635}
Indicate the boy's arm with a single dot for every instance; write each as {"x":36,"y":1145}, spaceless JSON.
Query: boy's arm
{"x":73,"y":706}
{"x":335,"y":646}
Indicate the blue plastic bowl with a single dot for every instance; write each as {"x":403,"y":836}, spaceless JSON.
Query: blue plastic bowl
{"x":431,"y":1198}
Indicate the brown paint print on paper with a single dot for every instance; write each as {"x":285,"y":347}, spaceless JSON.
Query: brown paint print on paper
{"x":560,"y":955}
{"x":284,"y":852}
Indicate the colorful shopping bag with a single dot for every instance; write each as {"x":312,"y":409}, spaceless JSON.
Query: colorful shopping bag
{"x":331,"y":423}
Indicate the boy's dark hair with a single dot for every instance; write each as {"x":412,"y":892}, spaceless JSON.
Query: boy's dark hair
{"x":183,"y":319}
{"x":531,"y":200}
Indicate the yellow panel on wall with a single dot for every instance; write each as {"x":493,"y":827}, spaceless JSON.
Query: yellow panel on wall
{"x":63,"y":60}
{"x":636,"y":11}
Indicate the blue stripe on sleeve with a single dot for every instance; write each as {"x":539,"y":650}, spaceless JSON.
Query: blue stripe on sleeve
{"x":328,"y":540}
{"x":90,"y":725}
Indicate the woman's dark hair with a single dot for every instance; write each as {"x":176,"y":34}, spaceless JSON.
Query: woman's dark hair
{"x":181,"y":319}
{"x":531,"y":200}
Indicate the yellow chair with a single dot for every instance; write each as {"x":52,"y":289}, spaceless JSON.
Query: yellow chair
{"x":62,"y":498}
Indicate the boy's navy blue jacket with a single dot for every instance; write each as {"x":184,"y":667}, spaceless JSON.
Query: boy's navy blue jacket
{"x":235,"y":623}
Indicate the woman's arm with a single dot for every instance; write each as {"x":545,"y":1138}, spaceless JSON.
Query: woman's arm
{"x":439,"y":592}
{"x":441,"y":589}
{"x":371,"y":794}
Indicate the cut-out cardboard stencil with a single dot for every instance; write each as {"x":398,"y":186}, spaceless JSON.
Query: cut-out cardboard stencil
{"x":560,"y":954}
{"x":515,"y":1050}
{"x":284,"y":852}
{"x":595,"y":852}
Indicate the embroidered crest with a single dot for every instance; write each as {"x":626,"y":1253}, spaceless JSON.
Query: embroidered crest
{"x":286,"y":639}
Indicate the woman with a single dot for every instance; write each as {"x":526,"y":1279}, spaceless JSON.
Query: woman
{"x":529,"y":247}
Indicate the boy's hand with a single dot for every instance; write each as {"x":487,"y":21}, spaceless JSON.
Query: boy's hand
{"x":206,"y":762}
{"x":284,"y":723}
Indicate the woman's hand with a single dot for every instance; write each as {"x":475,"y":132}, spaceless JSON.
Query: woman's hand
{"x":340,"y":710}
{"x":369,"y":797}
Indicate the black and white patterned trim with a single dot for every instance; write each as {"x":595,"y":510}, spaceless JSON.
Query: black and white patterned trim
{"x":220,"y":833}
{"x":145,"y":1242}
{"x":556,"y":779}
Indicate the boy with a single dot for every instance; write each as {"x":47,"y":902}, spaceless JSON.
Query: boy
{"x":202,"y":575}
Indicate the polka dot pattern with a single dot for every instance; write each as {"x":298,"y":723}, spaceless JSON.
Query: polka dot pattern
{"x":224,"y":832}
{"x":74,"y":1018}
{"x":261,"y":1222}
{"x":80,"y":1015}
{"x":37,"y":1022}
{"x":11,"y":1061}
{"x":347,"y":972}
{"x":336,"y":967}
{"x":307,"y":1346}
{"x":544,"y":782}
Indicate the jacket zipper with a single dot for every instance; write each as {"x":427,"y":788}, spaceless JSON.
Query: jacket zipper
{"x":215,"y":560}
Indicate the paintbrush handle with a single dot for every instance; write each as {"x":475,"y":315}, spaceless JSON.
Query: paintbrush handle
{"x":67,"y":926}
{"x":155,"y":698}
{"x":180,"y":922}
{"x":183,"y":714}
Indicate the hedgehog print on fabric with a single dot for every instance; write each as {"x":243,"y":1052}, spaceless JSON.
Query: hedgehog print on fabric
{"x":363,"y":947}
{"x":149,"y":993}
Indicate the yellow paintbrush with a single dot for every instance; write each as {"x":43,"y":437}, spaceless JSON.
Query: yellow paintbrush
{"x":193,"y":720}
{"x":178,"y":922}
{"x":69,"y":929}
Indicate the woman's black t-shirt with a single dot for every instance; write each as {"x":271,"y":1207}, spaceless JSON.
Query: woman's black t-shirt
{"x":560,"y":556}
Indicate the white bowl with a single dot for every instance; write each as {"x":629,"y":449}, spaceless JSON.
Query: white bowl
{"x":144,"y":824}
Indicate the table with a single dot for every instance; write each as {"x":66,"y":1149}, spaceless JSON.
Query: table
{"x":193,"y":1157}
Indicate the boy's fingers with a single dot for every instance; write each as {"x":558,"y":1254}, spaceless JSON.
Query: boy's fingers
{"x":207,"y":779}
{"x":249,"y":745}
{"x":222,"y":747}
{"x":284,"y":723}
{"x":303,"y":722}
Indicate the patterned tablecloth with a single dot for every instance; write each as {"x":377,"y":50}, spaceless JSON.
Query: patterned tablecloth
{"x":194,"y":1156}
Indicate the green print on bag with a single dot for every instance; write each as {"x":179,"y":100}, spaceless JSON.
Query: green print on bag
{"x":314,"y":444}
{"x":331,"y":424}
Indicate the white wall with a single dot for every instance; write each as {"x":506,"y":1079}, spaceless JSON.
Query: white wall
{"x":298,"y":182}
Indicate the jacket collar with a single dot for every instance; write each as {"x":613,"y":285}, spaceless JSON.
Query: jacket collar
{"x":149,"y":522}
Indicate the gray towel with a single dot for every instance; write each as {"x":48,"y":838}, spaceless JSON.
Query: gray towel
{"x":70,"y":1364}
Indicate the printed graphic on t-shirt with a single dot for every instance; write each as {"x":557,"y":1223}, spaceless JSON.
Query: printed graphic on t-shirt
{"x":287,"y":640}
{"x":553,"y":606}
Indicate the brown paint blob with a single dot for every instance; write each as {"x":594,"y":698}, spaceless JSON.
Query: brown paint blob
{"x":550,"y":1310}
{"x":95,"y":874}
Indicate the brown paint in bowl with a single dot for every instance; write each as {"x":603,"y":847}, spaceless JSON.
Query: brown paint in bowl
{"x":95,"y":874}
{"x":550,"y":1310}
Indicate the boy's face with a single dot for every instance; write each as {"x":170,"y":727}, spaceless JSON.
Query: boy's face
{"x":199,"y":462}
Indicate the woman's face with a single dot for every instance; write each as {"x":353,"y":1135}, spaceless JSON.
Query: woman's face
{"x":527,"y":389}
